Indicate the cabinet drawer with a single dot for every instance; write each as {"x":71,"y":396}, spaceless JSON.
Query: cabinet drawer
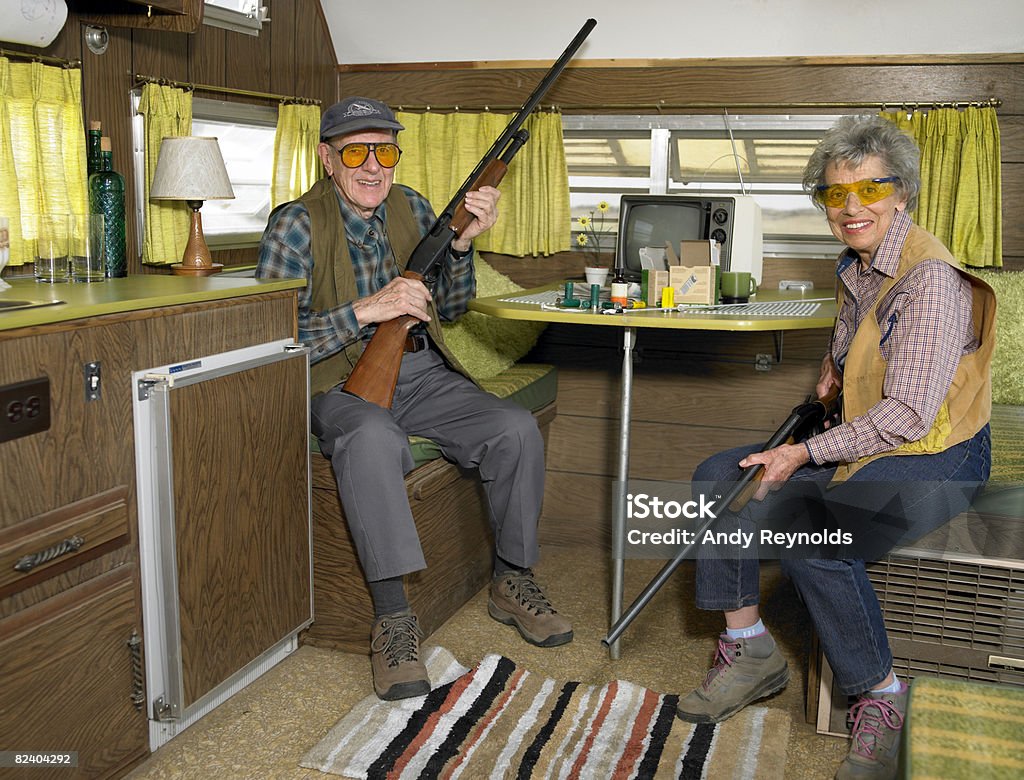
{"x":48,"y":544}
{"x":68,"y":681}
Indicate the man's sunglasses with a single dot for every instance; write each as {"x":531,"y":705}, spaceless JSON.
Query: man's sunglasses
{"x":354,"y":155}
{"x":868,"y":191}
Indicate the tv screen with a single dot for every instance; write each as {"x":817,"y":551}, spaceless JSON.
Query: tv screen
{"x":655,"y":224}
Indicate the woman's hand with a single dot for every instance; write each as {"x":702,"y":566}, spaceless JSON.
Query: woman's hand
{"x":482,"y":204}
{"x":779,"y":465}
{"x":399,"y":296}
{"x":829,"y":379}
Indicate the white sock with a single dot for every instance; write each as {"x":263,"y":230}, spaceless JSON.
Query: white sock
{"x":746,"y":633}
{"x":895,"y":687}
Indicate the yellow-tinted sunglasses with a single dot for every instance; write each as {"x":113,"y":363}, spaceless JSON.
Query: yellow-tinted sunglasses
{"x":354,"y":155}
{"x":868,"y":191}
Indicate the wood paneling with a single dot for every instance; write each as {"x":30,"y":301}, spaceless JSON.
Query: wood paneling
{"x":244,"y":583}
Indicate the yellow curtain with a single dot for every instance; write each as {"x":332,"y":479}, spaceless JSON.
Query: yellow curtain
{"x":439,"y":151}
{"x":42,"y":150}
{"x":296,"y":164}
{"x":961,"y":191}
{"x":167,"y":113}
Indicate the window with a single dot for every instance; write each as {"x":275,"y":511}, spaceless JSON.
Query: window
{"x":609,"y":156}
{"x":245,"y":134}
{"x":244,"y":16}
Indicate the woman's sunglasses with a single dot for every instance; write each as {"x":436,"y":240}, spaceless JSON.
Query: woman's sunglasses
{"x":868,"y":191}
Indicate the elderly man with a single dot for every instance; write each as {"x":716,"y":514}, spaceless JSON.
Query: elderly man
{"x":350,"y":236}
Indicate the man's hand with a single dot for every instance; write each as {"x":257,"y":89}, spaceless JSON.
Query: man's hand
{"x":779,"y":465}
{"x":482,"y":204}
{"x":399,"y":296}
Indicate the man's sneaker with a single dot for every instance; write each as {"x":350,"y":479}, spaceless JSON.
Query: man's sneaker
{"x":517,"y":600}
{"x":875,"y":737}
{"x":398,"y":672}
{"x":745,"y":670}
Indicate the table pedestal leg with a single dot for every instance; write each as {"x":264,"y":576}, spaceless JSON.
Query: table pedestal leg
{"x":621,"y":484}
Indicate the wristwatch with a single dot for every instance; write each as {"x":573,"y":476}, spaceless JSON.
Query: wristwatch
{"x":460,"y":255}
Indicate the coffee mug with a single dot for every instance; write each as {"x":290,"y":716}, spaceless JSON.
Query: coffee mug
{"x":737,"y":286}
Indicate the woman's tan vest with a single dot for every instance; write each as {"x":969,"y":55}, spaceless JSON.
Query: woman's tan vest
{"x":968,"y":403}
{"x":334,"y":281}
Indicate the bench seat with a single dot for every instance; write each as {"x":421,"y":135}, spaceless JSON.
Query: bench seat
{"x":450,"y":512}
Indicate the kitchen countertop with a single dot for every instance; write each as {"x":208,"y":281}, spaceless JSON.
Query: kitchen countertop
{"x":131,"y":293}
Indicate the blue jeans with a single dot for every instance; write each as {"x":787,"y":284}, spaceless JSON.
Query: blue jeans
{"x":837,"y":593}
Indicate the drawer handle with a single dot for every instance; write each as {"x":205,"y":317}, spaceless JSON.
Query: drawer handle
{"x":28,"y":562}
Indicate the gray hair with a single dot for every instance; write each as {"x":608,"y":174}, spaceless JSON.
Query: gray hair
{"x":853,"y":139}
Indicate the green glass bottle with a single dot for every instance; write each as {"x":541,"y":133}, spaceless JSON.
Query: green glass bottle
{"x":106,"y":197}
{"x":94,"y":152}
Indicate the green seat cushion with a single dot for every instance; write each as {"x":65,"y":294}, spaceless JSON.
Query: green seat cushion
{"x":531,"y":385}
{"x":960,"y":729}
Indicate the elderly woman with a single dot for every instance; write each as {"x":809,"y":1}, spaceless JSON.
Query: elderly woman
{"x":911,"y":353}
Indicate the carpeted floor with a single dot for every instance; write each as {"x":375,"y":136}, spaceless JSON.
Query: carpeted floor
{"x":264,"y":730}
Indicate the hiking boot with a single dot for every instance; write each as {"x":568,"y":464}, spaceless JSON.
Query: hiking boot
{"x":398,"y":672}
{"x":875,"y":737}
{"x":517,"y":600}
{"x":745,"y":670}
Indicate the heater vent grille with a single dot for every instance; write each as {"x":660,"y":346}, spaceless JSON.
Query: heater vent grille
{"x":953,"y":618}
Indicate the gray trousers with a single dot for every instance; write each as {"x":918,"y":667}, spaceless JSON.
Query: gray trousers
{"x":369,"y":451}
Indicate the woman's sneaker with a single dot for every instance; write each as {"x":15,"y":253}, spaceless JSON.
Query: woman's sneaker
{"x":745,"y":670}
{"x":875,"y":737}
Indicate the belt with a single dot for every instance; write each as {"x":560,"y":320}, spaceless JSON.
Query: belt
{"x":417,"y":342}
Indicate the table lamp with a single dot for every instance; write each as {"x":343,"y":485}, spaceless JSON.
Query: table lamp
{"x":191,"y":168}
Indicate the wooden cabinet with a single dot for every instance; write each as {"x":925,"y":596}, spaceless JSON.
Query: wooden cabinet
{"x":71,"y":671}
{"x":72,"y":639}
{"x":168,"y":15}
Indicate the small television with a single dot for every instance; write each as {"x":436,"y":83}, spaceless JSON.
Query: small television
{"x":734,"y":221}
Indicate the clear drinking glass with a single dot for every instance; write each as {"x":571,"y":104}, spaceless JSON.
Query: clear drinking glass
{"x":88,"y":258}
{"x":52,"y":248}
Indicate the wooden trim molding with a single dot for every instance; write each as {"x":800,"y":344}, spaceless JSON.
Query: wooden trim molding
{"x":717,"y":62}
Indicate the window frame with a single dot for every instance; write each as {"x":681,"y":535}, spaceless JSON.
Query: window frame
{"x":664,"y":130}
{"x":209,"y":109}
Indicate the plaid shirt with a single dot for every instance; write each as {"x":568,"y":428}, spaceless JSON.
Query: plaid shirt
{"x":926,"y":322}
{"x":285,"y":252}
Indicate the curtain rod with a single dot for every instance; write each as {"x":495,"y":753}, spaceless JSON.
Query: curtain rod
{"x":188,"y":86}
{"x":28,"y":55}
{"x":659,"y":107}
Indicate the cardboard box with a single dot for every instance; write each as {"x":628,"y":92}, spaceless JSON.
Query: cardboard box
{"x":693,"y":271}
{"x":651,"y":284}
{"x":693,"y":284}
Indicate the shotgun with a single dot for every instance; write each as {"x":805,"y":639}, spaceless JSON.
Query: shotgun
{"x":801,"y":420}
{"x":375,"y":374}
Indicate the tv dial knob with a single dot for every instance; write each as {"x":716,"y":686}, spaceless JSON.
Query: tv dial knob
{"x":720,"y":216}
{"x":718,"y":235}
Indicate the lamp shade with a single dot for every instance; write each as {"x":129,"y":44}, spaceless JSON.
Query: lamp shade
{"x":190,"y":168}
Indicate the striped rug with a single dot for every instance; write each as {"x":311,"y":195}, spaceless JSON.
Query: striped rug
{"x":500,"y":721}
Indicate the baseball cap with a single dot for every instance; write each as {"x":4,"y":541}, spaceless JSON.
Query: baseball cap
{"x":357,"y":113}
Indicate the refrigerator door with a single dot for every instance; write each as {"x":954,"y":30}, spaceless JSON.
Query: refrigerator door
{"x":224,"y":511}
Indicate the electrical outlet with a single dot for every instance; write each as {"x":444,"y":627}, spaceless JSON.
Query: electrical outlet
{"x":24,"y":408}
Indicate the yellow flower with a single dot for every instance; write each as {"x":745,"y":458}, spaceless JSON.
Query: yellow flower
{"x":602,"y":206}
{"x":581,"y":239}
{"x":593,"y":234}
{"x":584,"y":222}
